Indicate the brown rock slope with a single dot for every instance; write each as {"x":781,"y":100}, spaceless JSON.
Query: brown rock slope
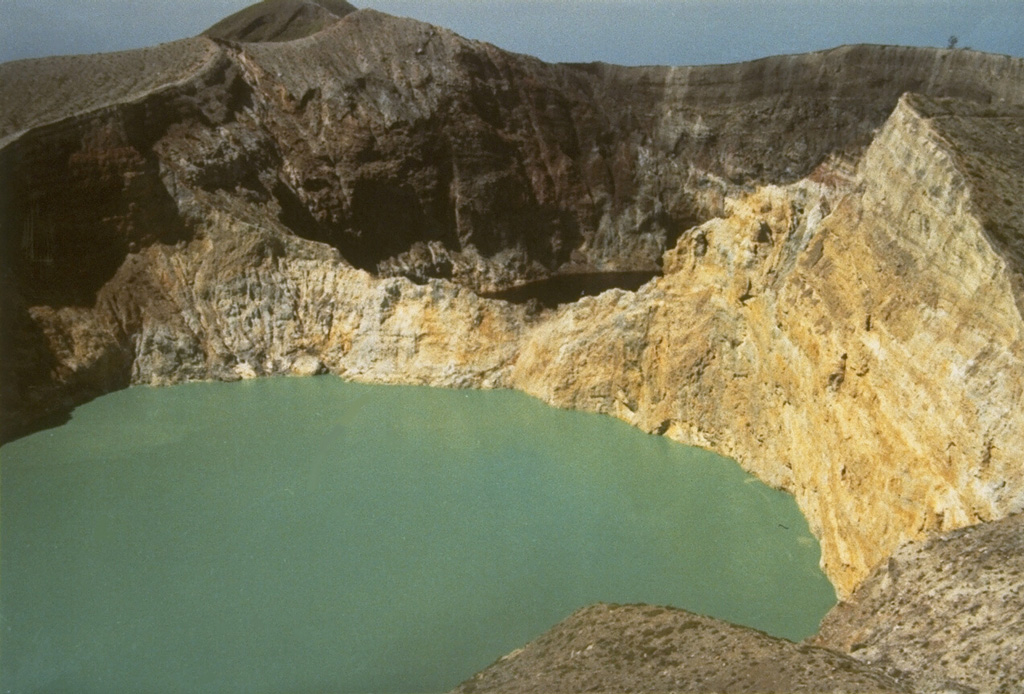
{"x":640,"y":648}
{"x":416,"y":152}
{"x":844,"y":321}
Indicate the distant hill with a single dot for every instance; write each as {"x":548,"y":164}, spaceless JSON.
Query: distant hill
{"x":280,"y":20}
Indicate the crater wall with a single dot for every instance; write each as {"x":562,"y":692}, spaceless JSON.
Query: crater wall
{"x":839,"y":307}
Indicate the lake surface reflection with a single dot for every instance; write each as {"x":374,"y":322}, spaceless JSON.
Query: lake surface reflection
{"x":315,"y":535}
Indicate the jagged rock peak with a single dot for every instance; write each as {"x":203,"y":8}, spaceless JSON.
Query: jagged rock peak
{"x":280,"y":20}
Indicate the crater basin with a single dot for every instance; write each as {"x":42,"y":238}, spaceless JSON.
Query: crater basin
{"x":315,"y":535}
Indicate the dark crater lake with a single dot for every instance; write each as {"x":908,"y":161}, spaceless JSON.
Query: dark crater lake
{"x":291,"y":535}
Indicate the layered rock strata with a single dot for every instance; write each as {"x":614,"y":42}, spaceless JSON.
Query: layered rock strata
{"x":844,"y":322}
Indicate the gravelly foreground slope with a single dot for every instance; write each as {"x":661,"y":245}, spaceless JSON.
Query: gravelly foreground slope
{"x":642,"y":648}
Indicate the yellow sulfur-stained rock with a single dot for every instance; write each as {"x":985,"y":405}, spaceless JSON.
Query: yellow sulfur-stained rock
{"x":859,"y":345}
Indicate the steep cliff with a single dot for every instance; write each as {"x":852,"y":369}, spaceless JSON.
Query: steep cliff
{"x":839,"y":307}
{"x":854,"y":338}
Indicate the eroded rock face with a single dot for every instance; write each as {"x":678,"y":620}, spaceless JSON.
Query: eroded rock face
{"x":843,"y":321}
{"x":642,"y":648}
{"x":235,"y":305}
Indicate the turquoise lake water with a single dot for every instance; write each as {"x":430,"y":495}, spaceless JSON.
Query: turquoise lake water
{"x":300,"y":535}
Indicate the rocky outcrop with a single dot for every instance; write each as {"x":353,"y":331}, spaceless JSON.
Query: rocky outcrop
{"x":641,"y":648}
{"x":240,"y":302}
{"x":840,"y":302}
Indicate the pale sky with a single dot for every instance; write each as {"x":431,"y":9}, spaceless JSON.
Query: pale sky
{"x":630,"y":32}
